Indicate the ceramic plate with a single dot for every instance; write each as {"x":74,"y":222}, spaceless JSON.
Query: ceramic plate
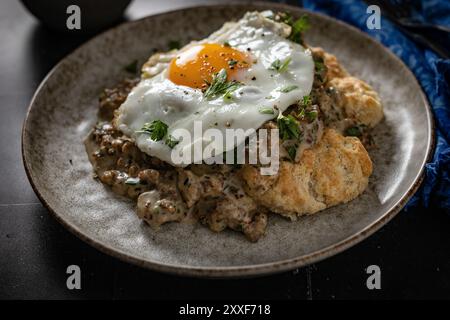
{"x":64,"y":109}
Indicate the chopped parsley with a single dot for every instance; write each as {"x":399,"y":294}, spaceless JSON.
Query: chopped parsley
{"x":174,"y":44}
{"x":297,"y":26}
{"x":306,"y":101}
{"x":232,"y":62}
{"x":132,"y":67}
{"x":220,"y":86}
{"x":226,"y":44}
{"x":292,"y":152}
{"x":307,"y":111}
{"x":319,"y":65}
{"x":227,"y":97}
{"x":301,"y":114}
{"x":156,"y":129}
{"x":355,"y":131}
{"x":288,"y":88}
{"x":320,"y":69}
{"x":280,"y":66}
{"x":171,"y":142}
{"x":289,"y":127}
{"x":285,"y":17}
{"x":132,"y":181}
{"x":311,"y":115}
{"x":266,"y":110}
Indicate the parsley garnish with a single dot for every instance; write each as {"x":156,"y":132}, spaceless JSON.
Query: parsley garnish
{"x":289,"y":88}
{"x":227,"y":97}
{"x":301,"y":114}
{"x":298,"y":27}
{"x":285,"y":17}
{"x":320,"y":68}
{"x":266,"y":110}
{"x":156,"y":129}
{"x":280,"y":66}
{"x":292,"y":152}
{"x":319,"y":65}
{"x":289,"y":127}
{"x":232,"y":62}
{"x":226,"y":44}
{"x":172,"y":142}
{"x":311,"y":115}
{"x":308,"y":112}
{"x":355,"y":131}
{"x":306,"y":101}
{"x":132,"y":181}
{"x":220,"y":86}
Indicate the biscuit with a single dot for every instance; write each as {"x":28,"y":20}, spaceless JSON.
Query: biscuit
{"x":336,"y":170}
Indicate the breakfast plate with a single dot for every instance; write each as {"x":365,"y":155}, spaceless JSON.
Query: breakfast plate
{"x":64,"y":110}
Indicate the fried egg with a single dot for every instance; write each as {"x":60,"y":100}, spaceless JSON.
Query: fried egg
{"x":271,"y":73}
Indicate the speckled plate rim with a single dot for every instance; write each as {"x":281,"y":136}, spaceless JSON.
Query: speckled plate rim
{"x":246,"y":270}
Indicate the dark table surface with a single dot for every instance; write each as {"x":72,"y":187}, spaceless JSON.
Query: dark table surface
{"x":413,"y":250}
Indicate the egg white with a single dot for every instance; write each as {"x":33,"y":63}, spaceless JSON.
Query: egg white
{"x":157,"y":98}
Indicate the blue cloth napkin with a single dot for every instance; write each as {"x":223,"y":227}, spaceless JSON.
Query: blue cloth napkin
{"x":432,"y":72}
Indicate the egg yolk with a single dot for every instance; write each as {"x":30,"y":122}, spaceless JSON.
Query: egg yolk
{"x":196,"y":66}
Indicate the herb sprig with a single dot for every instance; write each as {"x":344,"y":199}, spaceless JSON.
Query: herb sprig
{"x":297,"y":26}
{"x":320,"y":69}
{"x":307,"y":110}
{"x":220,"y":86}
{"x":288,"y":88}
{"x":311,"y":115}
{"x":289,"y":127}
{"x":171,"y":142}
{"x":306,"y":101}
{"x":355,"y":131}
{"x":232,"y":62}
{"x":292,"y":152}
{"x":156,"y":129}
{"x":266,"y":110}
{"x":280,"y":66}
{"x":319,"y":65}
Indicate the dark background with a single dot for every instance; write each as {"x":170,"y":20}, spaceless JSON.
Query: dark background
{"x":413,"y":250}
